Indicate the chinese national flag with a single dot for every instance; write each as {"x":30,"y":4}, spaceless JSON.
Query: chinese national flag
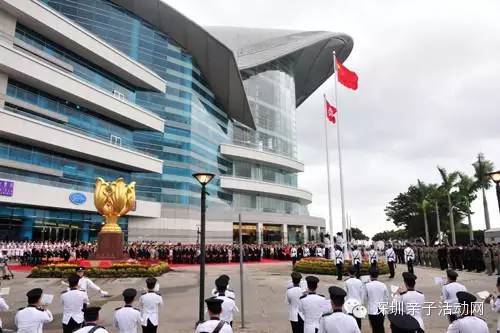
{"x":330,"y":111}
{"x":346,"y":77}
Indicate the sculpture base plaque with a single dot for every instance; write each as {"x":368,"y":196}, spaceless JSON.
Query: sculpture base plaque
{"x":109,"y":246}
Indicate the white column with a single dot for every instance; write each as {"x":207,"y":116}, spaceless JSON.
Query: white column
{"x":260,"y":227}
{"x":306,"y":237}
{"x":285,"y":233}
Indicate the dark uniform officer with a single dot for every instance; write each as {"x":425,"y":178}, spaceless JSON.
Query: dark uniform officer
{"x":337,"y":321}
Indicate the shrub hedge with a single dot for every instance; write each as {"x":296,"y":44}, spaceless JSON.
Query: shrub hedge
{"x":326,"y":267}
{"x":116,"y":270}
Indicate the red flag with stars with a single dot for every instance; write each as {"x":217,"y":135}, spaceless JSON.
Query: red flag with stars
{"x":347,"y":77}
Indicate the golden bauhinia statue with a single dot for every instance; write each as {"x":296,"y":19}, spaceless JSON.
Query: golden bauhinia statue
{"x":112,"y":200}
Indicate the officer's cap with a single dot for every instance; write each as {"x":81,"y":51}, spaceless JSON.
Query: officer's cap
{"x":336,"y":292}
{"x":451,"y":274}
{"x":409,"y":277}
{"x":80,"y":269}
{"x":312,"y":279}
{"x":91,"y":313}
{"x":214,"y":304}
{"x":220,"y":282}
{"x":35,"y":293}
{"x":129,"y":293}
{"x":465,"y":297}
{"x":225,"y":277}
{"x":403,"y":323}
{"x":352,"y":270}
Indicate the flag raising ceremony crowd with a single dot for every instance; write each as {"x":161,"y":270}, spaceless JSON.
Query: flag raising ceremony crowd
{"x":309,"y":312}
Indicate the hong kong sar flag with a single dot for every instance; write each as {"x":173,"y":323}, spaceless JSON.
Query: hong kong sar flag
{"x":347,"y":77}
{"x":330,"y":111}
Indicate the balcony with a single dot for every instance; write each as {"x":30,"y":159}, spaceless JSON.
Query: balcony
{"x":65,"y":32}
{"x":250,"y":185}
{"x":37,"y":133}
{"x":246,"y":153}
{"x":33,"y":71}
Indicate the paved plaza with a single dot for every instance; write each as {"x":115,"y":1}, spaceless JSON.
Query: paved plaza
{"x":265,"y":310}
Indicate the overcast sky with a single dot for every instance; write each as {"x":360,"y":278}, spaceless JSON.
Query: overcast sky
{"x":429,"y":94}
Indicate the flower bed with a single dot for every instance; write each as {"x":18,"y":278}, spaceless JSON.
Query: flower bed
{"x":326,"y":267}
{"x":104,"y":269}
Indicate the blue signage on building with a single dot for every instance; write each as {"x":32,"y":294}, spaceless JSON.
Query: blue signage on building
{"x":6,"y":188}
{"x":77,"y":198}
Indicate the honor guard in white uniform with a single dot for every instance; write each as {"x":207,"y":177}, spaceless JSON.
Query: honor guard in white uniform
{"x":403,"y":323}
{"x":32,"y":318}
{"x":91,"y":317}
{"x":229,"y":307}
{"x":150,"y":304}
{"x":307,"y":252}
{"x":337,"y":321}
{"x":467,"y":322}
{"x":373,"y":257}
{"x":229,"y":293}
{"x":292,"y":298}
{"x":355,"y":290}
{"x":356,"y":260}
{"x":376,"y":293}
{"x":494,"y":301}
{"x":410,"y":300}
{"x":127,"y":319}
{"x":390,"y":256}
{"x":73,"y":302}
{"x":85,"y":283}
{"x":293,"y":255}
{"x":215,"y":324}
{"x":319,"y":252}
{"x":3,"y":307}
{"x":409,"y":257}
{"x":450,"y":290}
{"x":312,"y":305}
{"x":339,"y":261}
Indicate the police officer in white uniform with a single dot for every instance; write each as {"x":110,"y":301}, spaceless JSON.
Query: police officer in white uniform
{"x":409,"y":257}
{"x":312,"y":305}
{"x":229,"y":307}
{"x":410,"y":300}
{"x":150,"y":304}
{"x":32,"y":318}
{"x":355,"y":290}
{"x":292,"y":298}
{"x":293,"y":255}
{"x":127,"y":319}
{"x":373,"y":257}
{"x":467,"y":322}
{"x":403,"y":323}
{"x":390,"y":256}
{"x":3,"y":307}
{"x":376,"y":293}
{"x":356,"y":259}
{"x":214,"y":324}
{"x":450,"y":290}
{"x":91,"y":318}
{"x":73,"y":302}
{"x":85,"y":283}
{"x":337,"y":321}
{"x":339,"y":261}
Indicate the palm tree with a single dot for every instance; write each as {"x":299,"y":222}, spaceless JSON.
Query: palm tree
{"x":467,"y":191}
{"x":423,"y":192}
{"x":449,"y":181}
{"x":435,"y":194}
{"x":482,"y":167}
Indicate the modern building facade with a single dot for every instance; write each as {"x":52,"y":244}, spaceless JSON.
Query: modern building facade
{"x":133,"y":89}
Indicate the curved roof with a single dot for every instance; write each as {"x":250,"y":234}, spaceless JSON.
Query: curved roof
{"x":215,"y":60}
{"x":310,"y":51}
{"x":223,"y":53}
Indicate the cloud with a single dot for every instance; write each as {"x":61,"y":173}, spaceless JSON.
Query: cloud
{"x":429,"y":94}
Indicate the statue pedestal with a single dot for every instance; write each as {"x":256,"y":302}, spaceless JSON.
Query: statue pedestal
{"x":109,"y":246}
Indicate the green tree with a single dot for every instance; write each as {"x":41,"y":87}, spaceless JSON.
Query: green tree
{"x":357,"y":234}
{"x":435,"y":196}
{"x":482,"y":167}
{"x":467,"y":194}
{"x":390,"y":235}
{"x":448,"y":182}
{"x":423,"y":204}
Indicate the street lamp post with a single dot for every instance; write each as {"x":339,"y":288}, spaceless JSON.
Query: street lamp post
{"x":495,"y":176}
{"x":203,"y":179}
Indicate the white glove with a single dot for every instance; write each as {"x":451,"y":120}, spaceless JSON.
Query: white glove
{"x":103,"y":293}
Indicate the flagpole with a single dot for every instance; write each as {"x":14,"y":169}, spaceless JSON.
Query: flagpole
{"x":330,"y":220}
{"x":339,"y":147}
